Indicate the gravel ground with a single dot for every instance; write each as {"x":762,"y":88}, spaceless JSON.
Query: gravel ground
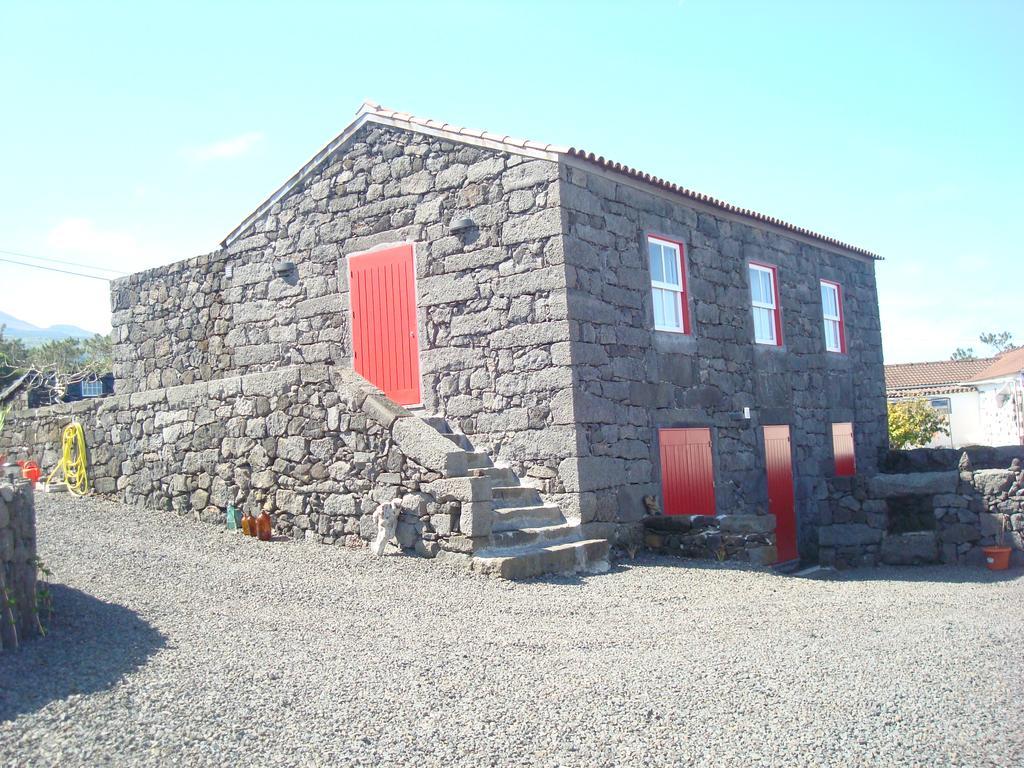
{"x":179,"y":644}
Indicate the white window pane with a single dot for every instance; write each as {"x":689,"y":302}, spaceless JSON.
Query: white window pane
{"x":829,"y":300}
{"x":654,"y":254}
{"x":671,"y":264}
{"x":671,"y":309}
{"x":832,"y":336}
{"x":761,"y":286}
{"x":764,"y":325}
{"x":666,"y":309}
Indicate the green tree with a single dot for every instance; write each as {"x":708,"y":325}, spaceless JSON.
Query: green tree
{"x":56,"y":364}
{"x":913,"y":423}
{"x":1000,"y":342}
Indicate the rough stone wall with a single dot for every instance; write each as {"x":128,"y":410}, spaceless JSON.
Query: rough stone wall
{"x":317,"y":448}
{"x":965,"y":510}
{"x":492,"y":304}
{"x":744,"y":538}
{"x":17,"y":563}
{"x":632,"y":380}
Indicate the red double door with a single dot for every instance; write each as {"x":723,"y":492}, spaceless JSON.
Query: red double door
{"x":778,"y":454}
{"x":385,"y":345}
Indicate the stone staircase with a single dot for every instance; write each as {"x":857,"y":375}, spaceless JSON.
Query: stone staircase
{"x":528,"y":536}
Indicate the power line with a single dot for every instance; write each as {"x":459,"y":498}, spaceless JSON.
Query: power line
{"x":54,"y":269}
{"x":60,"y":261}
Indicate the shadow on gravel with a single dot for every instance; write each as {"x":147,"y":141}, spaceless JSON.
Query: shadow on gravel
{"x":89,"y":646}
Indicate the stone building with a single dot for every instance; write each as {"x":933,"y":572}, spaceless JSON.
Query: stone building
{"x":612,"y":343}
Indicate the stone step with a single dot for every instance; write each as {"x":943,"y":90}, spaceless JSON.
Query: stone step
{"x":478,"y":460}
{"x":535,"y":516}
{"x":439,"y":423}
{"x":544,"y":535}
{"x":515,"y":496}
{"x":460,"y":440}
{"x":503,"y":475}
{"x":590,"y":555}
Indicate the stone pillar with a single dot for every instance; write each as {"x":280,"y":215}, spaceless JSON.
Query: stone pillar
{"x":17,"y":563}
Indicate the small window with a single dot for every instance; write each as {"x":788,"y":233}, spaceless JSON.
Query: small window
{"x":668,"y":285}
{"x":764,"y":298}
{"x":92,"y":388}
{"x":832,"y":311}
{"x":940,"y":404}
{"x":843,"y":449}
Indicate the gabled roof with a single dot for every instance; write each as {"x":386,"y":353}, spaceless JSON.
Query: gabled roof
{"x":375,"y":113}
{"x":936,"y":378}
{"x":1009,"y":363}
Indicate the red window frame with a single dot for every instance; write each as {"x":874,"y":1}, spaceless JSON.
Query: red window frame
{"x":684,"y":294}
{"x":777,"y":313}
{"x":843,"y":449}
{"x":687,"y":471}
{"x":842,"y":318}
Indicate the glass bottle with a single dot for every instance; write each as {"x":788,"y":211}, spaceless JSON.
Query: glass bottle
{"x":247,"y":521}
{"x":263,"y":527}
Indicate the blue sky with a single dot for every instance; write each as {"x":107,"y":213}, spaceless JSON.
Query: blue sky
{"x":136,"y":134}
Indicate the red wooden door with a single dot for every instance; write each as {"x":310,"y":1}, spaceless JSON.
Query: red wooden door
{"x":842,"y":449}
{"x":779,"y":459}
{"x":687,"y":474}
{"x":385,"y":347}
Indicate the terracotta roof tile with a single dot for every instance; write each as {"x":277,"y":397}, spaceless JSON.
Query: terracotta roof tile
{"x":939,"y":377}
{"x":1008,"y":363}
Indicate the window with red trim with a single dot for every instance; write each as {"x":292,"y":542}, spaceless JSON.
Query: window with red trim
{"x":832,"y":311}
{"x":668,"y":285}
{"x":764,"y":301}
{"x":843,"y":449}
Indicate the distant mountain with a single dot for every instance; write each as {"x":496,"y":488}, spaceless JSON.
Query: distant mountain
{"x":33,"y":335}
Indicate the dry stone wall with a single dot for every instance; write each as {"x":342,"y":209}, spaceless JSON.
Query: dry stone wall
{"x":492,"y":311}
{"x":318,"y":448}
{"x":632,"y":380}
{"x":923,"y":517}
{"x":17,"y":563}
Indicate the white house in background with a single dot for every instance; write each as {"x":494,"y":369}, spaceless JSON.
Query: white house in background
{"x":1000,"y":389}
{"x":983,"y":399}
{"x":941,"y":385}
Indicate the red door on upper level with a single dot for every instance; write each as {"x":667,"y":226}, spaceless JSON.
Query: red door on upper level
{"x":687,"y":473}
{"x":385,"y":346}
{"x":779,"y":460}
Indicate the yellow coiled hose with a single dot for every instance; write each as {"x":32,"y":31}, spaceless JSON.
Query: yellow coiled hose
{"x":72,"y":460}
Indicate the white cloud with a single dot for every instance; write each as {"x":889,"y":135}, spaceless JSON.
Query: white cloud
{"x":111,"y":248}
{"x":233,"y":147}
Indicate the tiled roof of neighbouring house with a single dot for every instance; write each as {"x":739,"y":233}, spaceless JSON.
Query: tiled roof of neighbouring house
{"x":1009,"y":363}
{"x":373,"y":112}
{"x":937,"y":378}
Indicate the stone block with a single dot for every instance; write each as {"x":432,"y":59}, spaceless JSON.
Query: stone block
{"x":425,"y":445}
{"x":383,"y":409}
{"x":462,"y":489}
{"x":960,"y":533}
{"x":766,"y":555}
{"x":917,"y":484}
{"x":914,"y":548}
{"x":763,"y":524}
{"x":338,"y":505}
{"x":992,"y":482}
{"x":848,"y":534}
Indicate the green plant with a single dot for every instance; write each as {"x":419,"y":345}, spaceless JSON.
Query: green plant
{"x":44,"y":597}
{"x":914,"y":422}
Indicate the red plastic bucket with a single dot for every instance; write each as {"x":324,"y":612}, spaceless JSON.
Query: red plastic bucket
{"x":31,"y":471}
